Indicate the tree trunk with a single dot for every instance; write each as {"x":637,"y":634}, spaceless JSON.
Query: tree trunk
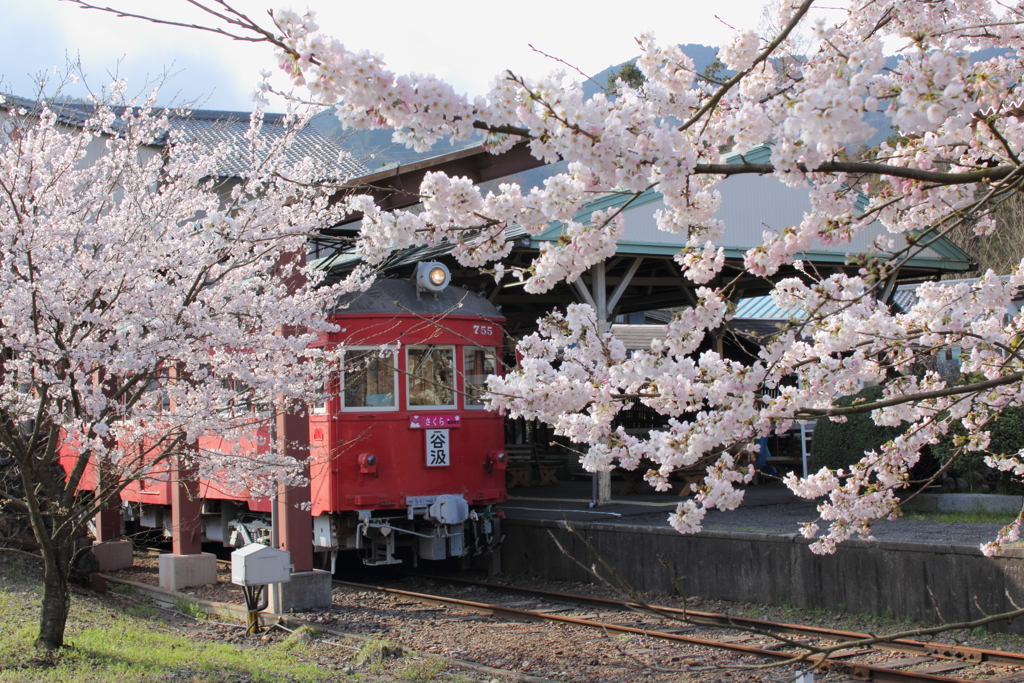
{"x":56,"y":598}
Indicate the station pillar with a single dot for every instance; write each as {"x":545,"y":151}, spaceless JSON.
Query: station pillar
{"x":187,"y":565}
{"x":111,"y":551}
{"x":308,"y":588}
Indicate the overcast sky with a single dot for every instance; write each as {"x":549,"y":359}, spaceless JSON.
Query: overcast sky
{"x":466,"y":43}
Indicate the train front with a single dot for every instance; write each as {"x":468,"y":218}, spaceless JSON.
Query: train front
{"x":406,"y":460}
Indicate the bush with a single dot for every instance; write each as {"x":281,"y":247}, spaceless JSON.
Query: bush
{"x":840,"y":444}
{"x":1007,"y":438}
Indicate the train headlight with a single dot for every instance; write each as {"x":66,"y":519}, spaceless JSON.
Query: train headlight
{"x":495,"y":458}
{"x":432,"y":276}
{"x":368,"y":463}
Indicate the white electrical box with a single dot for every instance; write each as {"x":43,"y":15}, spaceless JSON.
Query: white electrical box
{"x":258,"y":565}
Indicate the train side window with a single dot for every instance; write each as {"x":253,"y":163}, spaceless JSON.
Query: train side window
{"x":157,"y":384}
{"x":369,"y":380}
{"x":478,"y":363}
{"x":431,"y":378}
{"x":320,"y":407}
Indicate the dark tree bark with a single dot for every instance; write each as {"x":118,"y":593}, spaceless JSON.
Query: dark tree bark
{"x":56,"y":596}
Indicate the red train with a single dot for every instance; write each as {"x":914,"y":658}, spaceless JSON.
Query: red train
{"x":404,"y":455}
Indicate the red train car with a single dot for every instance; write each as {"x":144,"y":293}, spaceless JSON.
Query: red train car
{"x":404,"y":454}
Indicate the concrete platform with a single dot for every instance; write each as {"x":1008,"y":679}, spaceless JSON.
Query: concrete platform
{"x":919,"y":568}
{"x":967,"y":502}
{"x":186,"y":571}
{"x":306,"y":591}
{"x":933,"y":583}
{"x":113,"y":555}
{"x":766,"y":509}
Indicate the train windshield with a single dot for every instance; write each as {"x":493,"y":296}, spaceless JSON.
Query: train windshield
{"x":477,"y":364}
{"x":369,"y":379}
{"x":431,"y":376}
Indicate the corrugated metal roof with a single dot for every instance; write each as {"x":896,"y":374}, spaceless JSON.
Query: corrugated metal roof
{"x":764,"y":308}
{"x":905,"y":296}
{"x":751,"y":205}
{"x":412,"y":255}
{"x":214,"y":127}
{"x":638,"y":337}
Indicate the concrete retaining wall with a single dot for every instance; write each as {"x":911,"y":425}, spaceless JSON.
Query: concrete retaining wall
{"x":965,"y":502}
{"x":930,"y":583}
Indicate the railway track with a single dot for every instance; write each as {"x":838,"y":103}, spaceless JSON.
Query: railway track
{"x":810,"y":648}
{"x":833,"y":655}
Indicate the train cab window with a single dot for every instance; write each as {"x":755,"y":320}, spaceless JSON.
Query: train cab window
{"x":478,"y":362}
{"x":320,"y":407}
{"x":431,"y":378}
{"x":369,"y":380}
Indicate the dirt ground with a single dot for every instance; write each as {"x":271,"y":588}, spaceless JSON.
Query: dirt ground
{"x":557,"y":652}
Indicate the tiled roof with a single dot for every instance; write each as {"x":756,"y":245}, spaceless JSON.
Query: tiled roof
{"x":217,"y":127}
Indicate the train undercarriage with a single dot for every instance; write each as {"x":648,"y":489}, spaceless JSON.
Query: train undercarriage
{"x":430,"y":528}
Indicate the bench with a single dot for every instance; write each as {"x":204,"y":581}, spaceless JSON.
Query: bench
{"x":521,"y":460}
{"x":690,"y":477}
{"x":784,"y":464}
{"x":548,"y":465}
{"x":518,"y":465}
{"x":634,"y":479}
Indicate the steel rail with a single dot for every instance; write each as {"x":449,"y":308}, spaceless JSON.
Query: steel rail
{"x":859,"y":671}
{"x":905,"y":645}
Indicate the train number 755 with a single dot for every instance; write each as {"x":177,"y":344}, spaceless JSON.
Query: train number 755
{"x":483,"y":330}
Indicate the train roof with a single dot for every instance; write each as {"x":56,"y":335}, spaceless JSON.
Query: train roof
{"x":396,"y":297}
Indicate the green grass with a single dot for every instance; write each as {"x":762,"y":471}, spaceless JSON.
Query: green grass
{"x":108,"y":642}
{"x":420,"y":670}
{"x":117,"y":641}
{"x":377,"y":654}
{"x":186,"y":606}
{"x":384,"y":656}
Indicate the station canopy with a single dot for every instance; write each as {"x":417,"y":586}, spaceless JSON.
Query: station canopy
{"x":642,"y":275}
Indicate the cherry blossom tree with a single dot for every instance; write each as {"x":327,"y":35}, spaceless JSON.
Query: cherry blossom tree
{"x":143,"y":296}
{"x":953,"y":160}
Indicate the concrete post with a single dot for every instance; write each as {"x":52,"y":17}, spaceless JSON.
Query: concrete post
{"x":111,"y":552}
{"x":186,"y":509}
{"x":187,"y":565}
{"x":108,"y":521}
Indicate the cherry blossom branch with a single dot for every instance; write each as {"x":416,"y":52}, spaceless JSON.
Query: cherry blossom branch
{"x":938,"y":177}
{"x":765,"y":54}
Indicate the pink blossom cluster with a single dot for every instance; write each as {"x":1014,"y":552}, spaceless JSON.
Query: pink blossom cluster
{"x":956,"y":154}
{"x":142,"y":299}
